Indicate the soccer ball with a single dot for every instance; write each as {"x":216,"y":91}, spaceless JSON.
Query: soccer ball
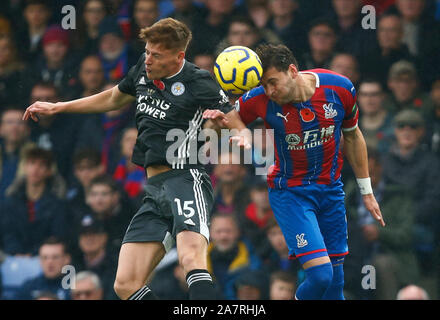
{"x":238,"y":69}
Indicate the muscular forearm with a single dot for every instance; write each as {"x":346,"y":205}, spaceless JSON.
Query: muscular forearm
{"x":107,"y":100}
{"x":355,"y":150}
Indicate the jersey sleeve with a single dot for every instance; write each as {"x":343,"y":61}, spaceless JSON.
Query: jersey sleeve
{"x":246,"y":110}
{"x":209,"y":95}
{"x":128,"y":84}
{"x":351,"y":115}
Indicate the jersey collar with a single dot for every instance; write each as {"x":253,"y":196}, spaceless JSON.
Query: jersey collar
{"x":316,"y":76}
{"x":181,"y":68}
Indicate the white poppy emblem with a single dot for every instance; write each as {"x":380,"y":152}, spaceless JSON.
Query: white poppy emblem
{"x":178,"y":88}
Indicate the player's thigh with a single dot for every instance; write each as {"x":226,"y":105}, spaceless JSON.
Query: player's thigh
{"x":192,"y":250}
{"x":137,"y":260}
{"x":294,"y":211}
{"x":190,"y":199}
{"x":333,"y":222}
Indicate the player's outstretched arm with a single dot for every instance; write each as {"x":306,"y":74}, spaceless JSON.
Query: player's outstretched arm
{"x":356,"y":152}
{"x":107,"y":100}
{"x":230,"y":120}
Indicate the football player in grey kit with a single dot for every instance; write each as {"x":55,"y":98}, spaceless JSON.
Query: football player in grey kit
{"x":170,"y":93}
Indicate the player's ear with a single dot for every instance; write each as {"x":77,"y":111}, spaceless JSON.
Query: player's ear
{"x":181,"y":55}
{"x":293,"y":71}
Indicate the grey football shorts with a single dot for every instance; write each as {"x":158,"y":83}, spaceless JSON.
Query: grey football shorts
{"x":175,"y":201}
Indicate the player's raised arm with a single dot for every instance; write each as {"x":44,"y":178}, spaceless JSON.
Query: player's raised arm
{"x":107,"y":100}
{"x":356,"y":152}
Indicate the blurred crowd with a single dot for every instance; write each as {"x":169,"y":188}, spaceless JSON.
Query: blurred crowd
{"x":68,"y":188}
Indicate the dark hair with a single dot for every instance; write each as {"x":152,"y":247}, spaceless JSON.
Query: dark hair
{"x":47,"y":85}
{"x":10,"y":108}
{"x":44,"y":3}
{"x":282,"y":276}
{"x":90,"y":154}
{"x":278,"y":56}
{"x":52,"y":240}
{"x":171,"y":33}
{"x":105,"y":180}
{"x":372,"y":80}
{"x":37,"y":153}
{"x":244,"y":20}
{"x":323,"y":21}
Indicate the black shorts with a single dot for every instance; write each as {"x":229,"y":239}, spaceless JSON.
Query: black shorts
{"x":175,"y":200}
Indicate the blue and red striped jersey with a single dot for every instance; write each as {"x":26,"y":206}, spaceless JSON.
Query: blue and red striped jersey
{"x":307,"y":135}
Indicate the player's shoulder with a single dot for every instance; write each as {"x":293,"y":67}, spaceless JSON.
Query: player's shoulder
{"x":255,"y":93}
{"x":330,"y":78}
{"x":193,"y":73}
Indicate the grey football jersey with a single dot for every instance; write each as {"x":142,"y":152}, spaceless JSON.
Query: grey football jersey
{"x":175,"y":103}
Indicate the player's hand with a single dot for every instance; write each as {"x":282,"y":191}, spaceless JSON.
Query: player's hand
{"x":373,"y":207}
{"x":242,"y":139}
{"x":217,"y":116}
{"x":39,"y":108}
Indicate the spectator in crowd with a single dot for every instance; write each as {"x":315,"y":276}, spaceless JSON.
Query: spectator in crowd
{"x":412,"y":292}
{"x":434,"y":121}
{"x":205,"y":61}
{"x":145,"y":13}
{"x":389,"y":249}
{"x":282,"y":286}
{"x":97,"y":255}
{"x":87,"y":166}
{"x":374,"y":119}
{"x":322,"y":41}
{"x":85,"y":36}
{"x":254,"y":219}
{"x":109,"y":206}
{"x":258,"y":11}
{"x":421,"y":33}
{"x":56,"y":65}
{"x":168,"y":287}
{"x":11,"y":73}
{"x":91,"y":78}
{"x":45,"y":295}
{"x":36,"y":14}
{"x":116,"y":54}
{"x":352,"y":37}
{"x":120,"y":9}
{"x":230,"y":192}
{"x":186,"y":11}
{"x":212,"y":26}
{"x":287,"y":23}
{"x":57,"y":133}
{"x":87,"y":287}
{"x":131,"y":176}
{"x":33,"y":209}
{"x":347,"y":65}
{"x":406,"y":93}
{"x":14,"y":138}
{"x":388,"y":49}
{"x":251,"y":285}
{"x":53,"y":257}
{"x":408,"y":164}
{"x":229,"y":255}
{"x":243,"y":32}
{"x":103,"y":132}
{"x":279,"y":258}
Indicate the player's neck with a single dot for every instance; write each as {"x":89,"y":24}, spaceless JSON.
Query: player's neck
{"x":305,"y":88}
{"x":177,"y":70}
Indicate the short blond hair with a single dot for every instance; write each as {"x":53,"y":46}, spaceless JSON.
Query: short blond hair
{"x":171,"y":33}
